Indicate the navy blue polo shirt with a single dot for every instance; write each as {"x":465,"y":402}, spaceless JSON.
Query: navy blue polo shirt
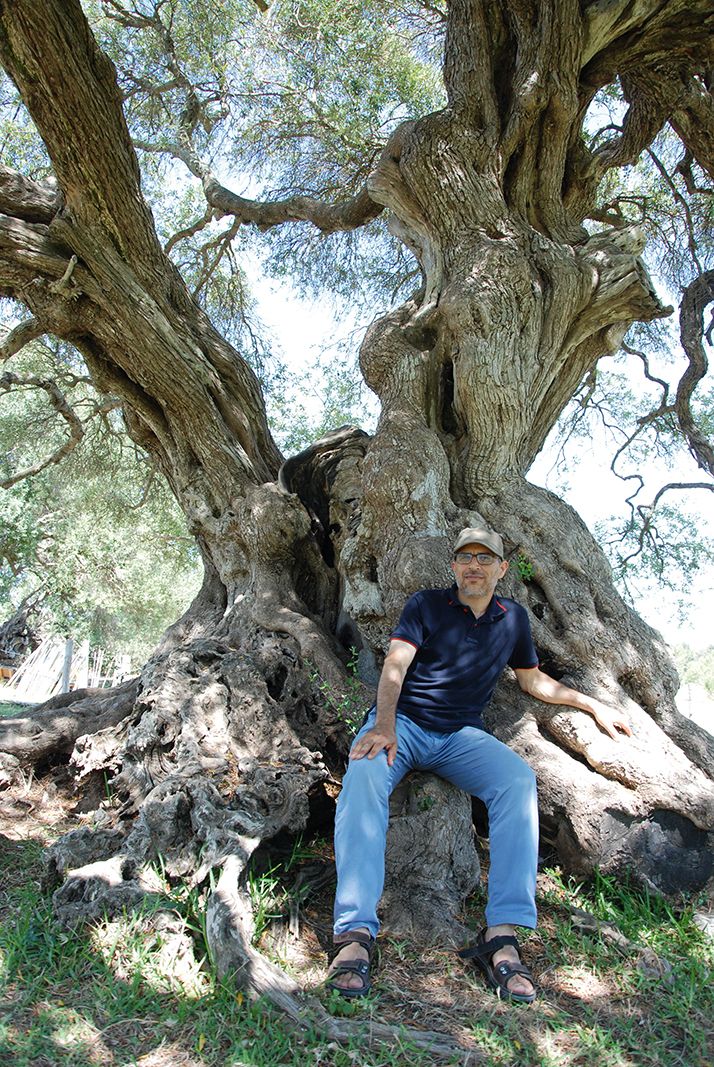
{"x":459,"y":658}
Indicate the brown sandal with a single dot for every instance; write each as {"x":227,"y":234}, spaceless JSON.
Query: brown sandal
{"x":498,"y":975}
{"x":359,"y":967}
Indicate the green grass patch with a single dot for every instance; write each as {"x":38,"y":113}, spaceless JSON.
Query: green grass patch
{"x":9,"y":710}
{"x":104,"y":994}
{"x":647,"y":1003}
{"x":97,"y":995}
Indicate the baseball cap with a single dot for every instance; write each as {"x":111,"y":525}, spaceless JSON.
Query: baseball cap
{"x":473,"y":535}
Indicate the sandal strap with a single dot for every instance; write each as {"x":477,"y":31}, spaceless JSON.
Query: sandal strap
{"x":354,"y":937}
{"x":507,"y":969}
{"x":484,"y":950}
{"x":358,"y":967}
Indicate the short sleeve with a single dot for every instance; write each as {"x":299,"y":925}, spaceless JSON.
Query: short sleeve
{"x":524,"y":655}
{"x":410,"y":627}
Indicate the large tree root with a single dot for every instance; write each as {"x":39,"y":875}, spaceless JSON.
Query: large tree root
{"x":211,"y":761}
{"x":229,"y":928}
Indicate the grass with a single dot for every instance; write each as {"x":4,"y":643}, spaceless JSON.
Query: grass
{"x":124,"y":992}
{"x":104,"y":995}
{"x":8,"y":710}
{"x":637,"y":1012}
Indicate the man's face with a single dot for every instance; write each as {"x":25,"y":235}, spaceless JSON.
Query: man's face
{"x":476,"y":579}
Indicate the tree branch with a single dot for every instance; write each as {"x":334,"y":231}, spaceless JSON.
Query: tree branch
{"x":329,"y":218}
{"x":646,"y":512}
{"x":220,"y":244}
{"x":98,"y":172}
{"x":691,"y":238}
{"x":657,"y":54}
{"x":190,"y":231}
{"x":62,"y":407}
{"x":26,"y":199}
{"x":696,"y":297}
{"x":651,"y":93}
{"x":693,"y":122}
{"x":17,"y":338}
{"x":628,"y":35}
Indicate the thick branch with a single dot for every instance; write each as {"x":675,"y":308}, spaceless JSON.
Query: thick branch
{"x":691,"y":318}
{"x":473,"y":30}
{"x":627,"y":35}
{"x":652,"y":92}
{"x":16,"y":339}
{"x":64,"y":78}
{"x":26,"y":199}
{"x":329,"y":218}
{"x":693,"y":121}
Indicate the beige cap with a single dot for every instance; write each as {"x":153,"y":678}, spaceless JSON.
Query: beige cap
{"x":472,"y":535}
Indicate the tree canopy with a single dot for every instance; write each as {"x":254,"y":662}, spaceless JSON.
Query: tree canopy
{"x":296,"y":103}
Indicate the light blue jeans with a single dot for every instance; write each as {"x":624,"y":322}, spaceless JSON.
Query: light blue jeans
{"x":475,"y":762}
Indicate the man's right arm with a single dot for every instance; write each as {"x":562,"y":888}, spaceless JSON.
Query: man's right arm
{"x":383,"y":733}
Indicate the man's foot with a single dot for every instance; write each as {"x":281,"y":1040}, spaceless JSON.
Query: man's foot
{"x":496,"y":953}
{"x":517,"y":984}
{"x":352,"y":981}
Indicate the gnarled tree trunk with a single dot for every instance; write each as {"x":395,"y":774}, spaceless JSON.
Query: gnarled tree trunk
{"x":235,"y":724}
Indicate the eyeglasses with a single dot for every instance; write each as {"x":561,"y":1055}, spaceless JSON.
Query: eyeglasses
{"x":484,"y":558}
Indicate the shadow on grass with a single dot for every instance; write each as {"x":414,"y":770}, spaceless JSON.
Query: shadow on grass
{"x":96,"y":995}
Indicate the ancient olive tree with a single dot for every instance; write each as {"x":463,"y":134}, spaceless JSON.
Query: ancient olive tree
{"x":229,"y":733}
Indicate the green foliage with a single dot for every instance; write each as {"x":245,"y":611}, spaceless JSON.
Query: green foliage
{"x":524,"y":568}
{"x":9,"y":711}
{"x":97,"y":540}
{"x":349,"y":704}
{"x":695,"y":666}
{"x":329,"y":394}
{"x":300,"y":102}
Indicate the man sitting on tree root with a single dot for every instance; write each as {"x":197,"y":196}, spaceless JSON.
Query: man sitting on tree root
{"x":445,"y":657}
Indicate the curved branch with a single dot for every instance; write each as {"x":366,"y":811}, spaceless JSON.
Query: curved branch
{"x":347,"y":214}
{"x":664,"y":402}
{"x":189,"y":231}
{"x":696,"y":297}
{"x":329,"y":218}
{"x":627,"y":35}
{"x":26,"y":199}
{"x":16,"y":339}
{"x":693,"y":122}
{"x":651,"y":93}
{"x":646,"y":512}
{"x":657,"y":54}
{"x":679,"y":485}
{"x":62,"y":407}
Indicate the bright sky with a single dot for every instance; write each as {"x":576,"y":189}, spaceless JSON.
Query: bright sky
{"x":304,"y":327}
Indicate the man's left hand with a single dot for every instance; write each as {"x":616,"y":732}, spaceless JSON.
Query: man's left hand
{"x":608,"y":720}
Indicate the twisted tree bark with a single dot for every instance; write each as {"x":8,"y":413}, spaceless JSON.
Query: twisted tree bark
{"x":237,"y":722}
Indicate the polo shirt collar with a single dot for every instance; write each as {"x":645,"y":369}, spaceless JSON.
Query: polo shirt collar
{"x":495,"y":610}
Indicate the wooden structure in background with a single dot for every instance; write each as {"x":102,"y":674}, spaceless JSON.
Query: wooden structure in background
{"x":57,"y":666}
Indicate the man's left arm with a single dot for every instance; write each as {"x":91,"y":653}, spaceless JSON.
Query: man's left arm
{"x":537,"y":684}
